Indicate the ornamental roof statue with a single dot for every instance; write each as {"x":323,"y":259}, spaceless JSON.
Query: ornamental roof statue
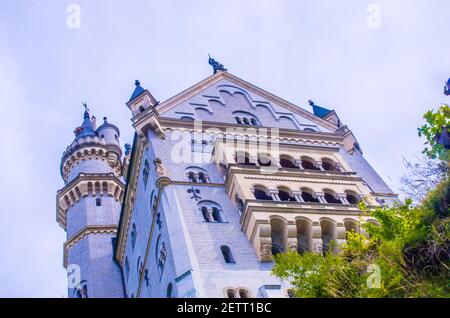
{"x":216,"y":65}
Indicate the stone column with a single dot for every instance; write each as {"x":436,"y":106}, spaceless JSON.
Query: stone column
{"x":342,"y":197}
{"x":320,"y":196}
{"x":298,"y":196}
{"x":298,"y":163}
{"x":276,"y":162}
{"x":338,"y":167}
{"x":254,"y":159}
{"x":273,"y":193}
{"x":318,"y":164}
{"x":209,"y":215}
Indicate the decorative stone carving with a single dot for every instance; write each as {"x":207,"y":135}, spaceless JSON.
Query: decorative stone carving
{"x":266,"y":252}
{"x":160,"y":170}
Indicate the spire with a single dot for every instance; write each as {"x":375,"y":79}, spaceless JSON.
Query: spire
{"x":137,"y":91}
{"x":319,"y":111}
{"x":86,"y":128}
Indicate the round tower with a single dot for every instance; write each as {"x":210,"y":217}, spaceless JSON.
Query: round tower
{"x":88,"y":209}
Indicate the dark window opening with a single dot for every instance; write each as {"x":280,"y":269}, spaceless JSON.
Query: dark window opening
{"x":227,"y":255}
{"x":261,"y":195}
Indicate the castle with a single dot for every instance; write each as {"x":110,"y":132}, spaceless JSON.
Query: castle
{"x":219,"y":178}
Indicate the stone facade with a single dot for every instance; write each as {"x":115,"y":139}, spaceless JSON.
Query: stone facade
{"x":219,"y":178}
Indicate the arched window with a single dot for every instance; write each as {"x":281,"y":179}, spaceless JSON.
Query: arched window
{"x":328,"y":234}
{"x":81,"y":290}
{"x":287,"y":162}
{"x":330,"y":197}
{"x":191,"y":176}
{"x":244,"y":293}
{"x":227,"y":255}
{"x":211,"y":212}
{"x":243,"y":158}
{"x":133,"y":236}
{"x":328,"y":165}
{"x":351,"y":226}
{"x":202,"y":177}
{"x":231,"y":293}
{"x":98,"y":202}
{"x":169,"y":290}
{"x":197,"y":174}
{"x":90,"y":188}
{"x":307,"y":196}
{"x":264,"y":160}
{"x":260,"y":193}
{"x":352,"y":197}
{"x":304,"y":236}
{"x":245,"y":118}
{"x":308,"y":163}
{"x":278,"y":228}
{"x":284,"y":194}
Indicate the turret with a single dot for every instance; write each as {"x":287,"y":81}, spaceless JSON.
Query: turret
{"x":140,"y":100}
{"x":88,"y":209}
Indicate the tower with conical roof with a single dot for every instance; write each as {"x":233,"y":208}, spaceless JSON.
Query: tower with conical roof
{"x":88,"y":209}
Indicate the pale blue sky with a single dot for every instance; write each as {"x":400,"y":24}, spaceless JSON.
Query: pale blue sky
{"x":380,"y":81}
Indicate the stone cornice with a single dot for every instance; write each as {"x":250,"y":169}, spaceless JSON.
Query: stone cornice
{"x":82,"y":186}
{"x":244,"y":130}
{"x":109,"y":153}
{"x":88,"y":230}
{"x":282,"y":174}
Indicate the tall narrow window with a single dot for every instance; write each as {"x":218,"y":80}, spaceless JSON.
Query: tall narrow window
{"x":127,"y":269}
{"x":146,"y":172}
{"x":133,"y":236}
{"x":227,"y":255}
{"x":169,"y":290}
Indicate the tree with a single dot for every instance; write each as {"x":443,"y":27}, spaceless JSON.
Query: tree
{"x":436,"y":127}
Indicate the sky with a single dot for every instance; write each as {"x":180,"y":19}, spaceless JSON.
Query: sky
{"x":379,"y":64}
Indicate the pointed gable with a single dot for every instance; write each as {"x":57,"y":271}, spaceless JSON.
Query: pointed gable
{"x":223,"y":97}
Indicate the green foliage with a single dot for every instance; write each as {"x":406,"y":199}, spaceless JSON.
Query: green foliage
{"x":433,"y":127}
{"x":409,"y":248}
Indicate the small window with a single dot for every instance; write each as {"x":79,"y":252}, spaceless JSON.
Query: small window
{"x":98,"y":202}
{"x":169,"y":290}
{"x":133,"y":236}
{"x":227,"y":255}
{"x":244,"y":293}
{"x":231,"y":293}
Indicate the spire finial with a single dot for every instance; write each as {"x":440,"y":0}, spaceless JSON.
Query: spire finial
{"x":86,"y":110}
{"x":137,"y":83}
{"x":215,"y":65}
